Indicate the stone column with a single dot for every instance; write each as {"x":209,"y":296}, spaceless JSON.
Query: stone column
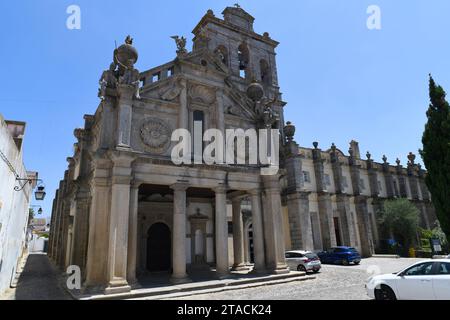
{"x":179,"y":274}
{"x":246,"y":247}
{"x":97,"y":250}
{"x":326,"y":220}
{"x":273,"y":226}
{"x":183,"y":116}
{"x":124,"y":117}
{"x":401,"y":180}
{"x":133,"y":235}
{"x":220,"y":111}
{"x":81,"y":229}
{"x":238,"y":236}
{"x":258,"y":232}
{"x":300,"y":220}
{"x":119,"y":224}
{"x":364,"y":226}
{"x":348,"y":229}
{"x":222,"y":263}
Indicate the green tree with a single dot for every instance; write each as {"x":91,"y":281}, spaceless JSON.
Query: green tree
{"x":436,"y":154}
{"x":400,"y":218}
{"x":30,"y":215}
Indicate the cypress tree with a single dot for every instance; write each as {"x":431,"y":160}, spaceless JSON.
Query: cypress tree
{"x":436,"y":154}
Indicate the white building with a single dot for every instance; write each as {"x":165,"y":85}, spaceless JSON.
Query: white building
{"x":14,"y":204}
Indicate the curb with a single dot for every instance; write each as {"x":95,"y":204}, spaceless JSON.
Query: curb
{"x":387,"y":256}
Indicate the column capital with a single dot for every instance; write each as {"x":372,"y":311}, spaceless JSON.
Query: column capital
{"x":220,"y":189}
{"x":135,"y":184}
{"x":236,"y":201}
{"x":255,"y":192}
{"x":179,"y":186}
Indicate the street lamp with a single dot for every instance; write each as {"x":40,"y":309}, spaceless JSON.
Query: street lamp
{"x":40,"y":211}
{"x":40,"y":192}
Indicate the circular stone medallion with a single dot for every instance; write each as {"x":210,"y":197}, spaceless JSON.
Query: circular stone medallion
{"x":155,"y":134}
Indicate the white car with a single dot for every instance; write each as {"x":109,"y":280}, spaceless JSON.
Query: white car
{"x":425,"y":280}
{"x":301,"y":260}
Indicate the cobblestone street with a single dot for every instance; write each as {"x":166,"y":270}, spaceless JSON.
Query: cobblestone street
{"x":332,"y":283}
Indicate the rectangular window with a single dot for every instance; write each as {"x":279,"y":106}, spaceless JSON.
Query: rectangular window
{"x":362,"y":184}
{"x":380,"y":188}
{"x":344,"y":182}
{"x":306,"y":177}
{"x":156,"y":77}
{"x":327,"y":180}
{"x":170,"y":72}
{"x":230,"y":227}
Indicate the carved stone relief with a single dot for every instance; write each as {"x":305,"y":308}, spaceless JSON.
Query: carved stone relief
{"x":155,"y":135}
{"x":202,"y":94}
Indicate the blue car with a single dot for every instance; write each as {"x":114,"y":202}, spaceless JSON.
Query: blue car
{"x":340,"y":255}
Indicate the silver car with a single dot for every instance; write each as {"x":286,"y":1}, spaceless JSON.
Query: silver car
{"x":301,"y":260}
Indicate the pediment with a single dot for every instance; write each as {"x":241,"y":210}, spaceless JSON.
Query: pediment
{"x":166,"y":90}
{"x":205,"y":58}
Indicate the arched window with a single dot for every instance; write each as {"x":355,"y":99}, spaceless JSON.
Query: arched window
{"x":222,"y":53}
{"x":198,"y":125}
{"x":265,"y":72}
{"x":199,"y":116}
{"x":244,"y":59}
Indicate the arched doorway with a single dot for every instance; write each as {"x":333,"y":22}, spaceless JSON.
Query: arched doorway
{"x":159,"y":248}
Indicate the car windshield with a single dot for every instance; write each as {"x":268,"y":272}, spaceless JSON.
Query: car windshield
{"x":311,"y":255}
{"x":352,"y":250}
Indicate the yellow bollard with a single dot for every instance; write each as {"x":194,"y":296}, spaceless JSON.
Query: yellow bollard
{"x":412,"y":253}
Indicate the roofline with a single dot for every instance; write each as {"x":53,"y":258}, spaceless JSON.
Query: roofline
{"x":213,"y":19}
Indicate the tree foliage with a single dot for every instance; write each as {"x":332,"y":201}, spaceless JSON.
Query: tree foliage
{"x":436,"y":154}
{"x":401,"y":218}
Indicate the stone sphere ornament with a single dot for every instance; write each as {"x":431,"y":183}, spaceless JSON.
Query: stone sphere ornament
{"x":126,"y":54}
{"x":255,"y":91}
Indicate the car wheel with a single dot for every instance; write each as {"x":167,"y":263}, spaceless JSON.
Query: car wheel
{"x":384,"y":293}
{"x":316,"y":271}
{"x":301,"y":268}
{"x":345,"y":262}
{"x":357,"y":262}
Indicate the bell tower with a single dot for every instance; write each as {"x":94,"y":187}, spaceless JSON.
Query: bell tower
{"x":249,"y":56}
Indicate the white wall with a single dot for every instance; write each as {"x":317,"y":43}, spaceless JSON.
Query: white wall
{"x":13,"y":208}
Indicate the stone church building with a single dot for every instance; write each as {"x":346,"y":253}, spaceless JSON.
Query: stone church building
{"x":124,"y":210}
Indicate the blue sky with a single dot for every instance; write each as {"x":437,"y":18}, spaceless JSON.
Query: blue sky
{"x":341,"y":80}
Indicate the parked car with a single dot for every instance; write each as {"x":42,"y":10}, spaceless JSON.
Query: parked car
{"x":303,"y":261}
{"x":426,"y":280}
{"x":340,"y":255}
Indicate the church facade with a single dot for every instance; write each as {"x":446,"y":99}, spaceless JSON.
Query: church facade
{"x":125,"y":210}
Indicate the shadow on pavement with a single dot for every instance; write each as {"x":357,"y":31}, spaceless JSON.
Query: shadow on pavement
{"x":39,"y":281}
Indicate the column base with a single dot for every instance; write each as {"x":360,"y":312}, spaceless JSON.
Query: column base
{"x":223,"y":276}
{"x":240,"y":267}
{"x":134,"y":285}
{"x":279,"y":269}
{"x":180,"y":280}
{"x":117,"y":286}
{"x":259,"y":271}
{"x":123,"y":147}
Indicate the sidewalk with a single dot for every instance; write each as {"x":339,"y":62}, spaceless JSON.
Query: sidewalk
{"x":38,"y":281}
